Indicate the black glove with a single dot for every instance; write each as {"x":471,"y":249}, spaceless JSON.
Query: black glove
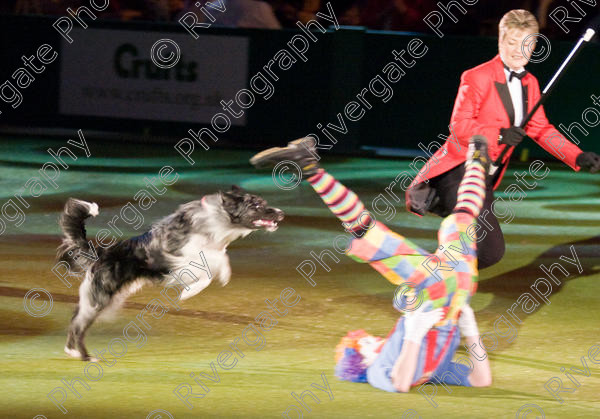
{"x":588,"y":160}
{"x":512,"y":136}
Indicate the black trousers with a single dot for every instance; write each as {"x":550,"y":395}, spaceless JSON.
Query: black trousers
{"x":491,"y":247}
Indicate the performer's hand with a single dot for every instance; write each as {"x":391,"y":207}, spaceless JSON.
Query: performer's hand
{"x":417,"y":323}
{"x":512,"y":136}
{"x":467,"y":323}
{"x":588,"y":160}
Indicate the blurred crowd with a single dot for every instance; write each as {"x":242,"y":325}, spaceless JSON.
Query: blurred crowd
{"x":397,"y":15}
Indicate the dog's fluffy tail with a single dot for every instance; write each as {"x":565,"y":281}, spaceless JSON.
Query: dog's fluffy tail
{"x":72,"y":223}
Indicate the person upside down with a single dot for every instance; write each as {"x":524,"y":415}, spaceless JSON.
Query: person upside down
{"x":423,"y":342}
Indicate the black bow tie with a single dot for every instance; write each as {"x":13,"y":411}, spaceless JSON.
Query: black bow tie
{"x":515,"y":74}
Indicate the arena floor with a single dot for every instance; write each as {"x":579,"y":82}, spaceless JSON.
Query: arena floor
{"x":560,"y":212}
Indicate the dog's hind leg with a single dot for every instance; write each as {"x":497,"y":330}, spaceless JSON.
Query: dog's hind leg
{"x":75,"y":341}
{"x":87,"y":311}
{"x":70,"y":346}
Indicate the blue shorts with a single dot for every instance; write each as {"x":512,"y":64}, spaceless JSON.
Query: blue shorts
{"x":437,"y":352}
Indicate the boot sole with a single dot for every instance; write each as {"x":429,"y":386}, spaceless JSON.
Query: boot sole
{"x":271,"y":154}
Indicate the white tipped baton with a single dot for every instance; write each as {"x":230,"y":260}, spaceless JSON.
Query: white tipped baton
{"x":586,"y":37}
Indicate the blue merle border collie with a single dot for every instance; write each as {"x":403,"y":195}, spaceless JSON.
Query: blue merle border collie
{"x":112,"y":274}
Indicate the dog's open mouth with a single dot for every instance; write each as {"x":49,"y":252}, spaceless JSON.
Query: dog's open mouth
{"x":269,"y":225}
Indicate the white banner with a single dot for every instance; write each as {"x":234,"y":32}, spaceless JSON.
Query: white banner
{"x":109,"y":73}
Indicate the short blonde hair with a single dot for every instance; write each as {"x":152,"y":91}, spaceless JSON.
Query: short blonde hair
{"x":518,"y":19}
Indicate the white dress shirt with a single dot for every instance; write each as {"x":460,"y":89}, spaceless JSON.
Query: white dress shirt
{"x":515,"y":89}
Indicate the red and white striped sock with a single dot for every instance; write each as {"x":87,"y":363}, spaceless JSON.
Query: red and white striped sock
{"x":471,"y":191}
{"x":342,"y":202}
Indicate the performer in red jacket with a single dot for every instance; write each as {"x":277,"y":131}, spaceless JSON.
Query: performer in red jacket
{"x":493,"y":98}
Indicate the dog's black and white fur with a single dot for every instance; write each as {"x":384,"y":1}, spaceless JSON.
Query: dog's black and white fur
{"x":208,"y":225}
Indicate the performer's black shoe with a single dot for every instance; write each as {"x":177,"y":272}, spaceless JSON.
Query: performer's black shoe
{"x":301,"y":151}
{"x":478,"y":150}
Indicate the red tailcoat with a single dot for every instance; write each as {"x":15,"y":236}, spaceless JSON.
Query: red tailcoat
{"x":483,"y":106}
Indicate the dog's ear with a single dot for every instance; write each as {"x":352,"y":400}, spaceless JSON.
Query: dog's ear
{"x":231,"y":196}
{"x":238,"y":190}
{"x":232,"y":203}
